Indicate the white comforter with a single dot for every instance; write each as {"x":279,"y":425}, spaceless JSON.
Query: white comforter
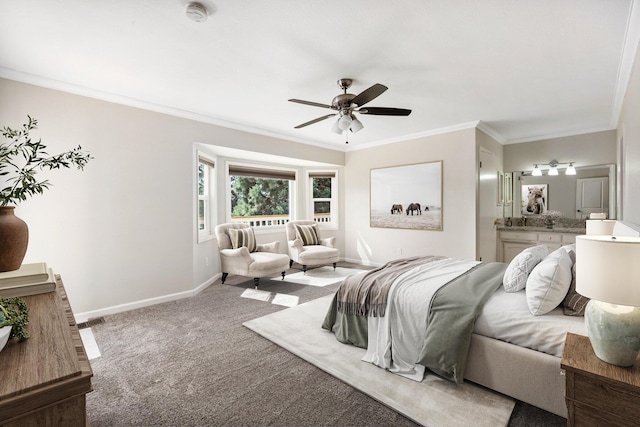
{"x":506,"y":317}
{"x":395,"y":340}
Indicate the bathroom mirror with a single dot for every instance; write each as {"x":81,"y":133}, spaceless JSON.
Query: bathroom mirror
{"x":591,"y":189}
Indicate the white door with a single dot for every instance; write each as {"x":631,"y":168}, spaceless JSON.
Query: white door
{"x":487,"y":200}
{"x":592,"y":196}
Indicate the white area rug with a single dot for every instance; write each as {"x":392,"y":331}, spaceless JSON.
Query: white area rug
{"x":432,"y":402}
{"x":321,"y":276}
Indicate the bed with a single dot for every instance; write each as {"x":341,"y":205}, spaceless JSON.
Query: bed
{"x":498,"y":325}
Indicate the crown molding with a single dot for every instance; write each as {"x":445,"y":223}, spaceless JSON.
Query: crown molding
{"x":628,"y":58}
{"x":61,"y":86}
{"x":560,"y":135}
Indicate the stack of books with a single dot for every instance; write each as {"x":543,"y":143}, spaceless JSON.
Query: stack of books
{"x":29,"y":279}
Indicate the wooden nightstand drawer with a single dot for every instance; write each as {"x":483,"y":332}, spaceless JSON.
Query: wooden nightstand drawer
{"x":598,"y":393}
{"x":585,"y":416}
{"x":603,"y":395}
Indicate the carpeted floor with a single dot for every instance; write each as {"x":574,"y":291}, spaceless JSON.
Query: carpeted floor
{"x":434,"y":401}
{"x":192,"y":363}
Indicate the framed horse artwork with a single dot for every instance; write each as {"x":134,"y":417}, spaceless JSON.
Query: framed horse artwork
{"x":408,"y":196}
{"x":535,"y":199}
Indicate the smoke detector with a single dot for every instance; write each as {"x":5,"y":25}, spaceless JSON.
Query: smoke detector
{"x":196,"y":12}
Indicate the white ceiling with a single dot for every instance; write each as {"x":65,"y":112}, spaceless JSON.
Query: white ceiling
{"x":526,"y":69}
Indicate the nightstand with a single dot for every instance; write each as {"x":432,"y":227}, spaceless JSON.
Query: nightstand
{"x":598,"y":393}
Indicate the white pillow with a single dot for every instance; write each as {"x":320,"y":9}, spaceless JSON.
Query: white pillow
{"x":549,"y":282}
{"x":515,"y":276}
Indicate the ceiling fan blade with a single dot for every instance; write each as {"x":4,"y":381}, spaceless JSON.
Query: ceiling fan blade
{"x":384,"y":111}
{"x":310,"y":122}
{"x":313,"y":104}
{"x":369,"y":94}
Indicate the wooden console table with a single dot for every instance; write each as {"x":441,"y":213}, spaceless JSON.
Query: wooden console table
{"x":44,"y":380}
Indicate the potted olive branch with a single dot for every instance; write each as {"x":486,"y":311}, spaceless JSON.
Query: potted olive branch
{"x":14,"y":314}
{"x":21,"y":157}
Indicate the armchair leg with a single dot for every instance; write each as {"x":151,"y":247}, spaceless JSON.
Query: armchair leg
{"x":256,"y":280}
{"x":334,"y":265}
{"x":304,"y":269}
{"x":290,"y":263}
{"x":224,"y":277}
{"x":283,"y":275}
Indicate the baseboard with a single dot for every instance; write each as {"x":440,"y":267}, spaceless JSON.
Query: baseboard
{"x":88,"y":315}
{"x":363,"y":262}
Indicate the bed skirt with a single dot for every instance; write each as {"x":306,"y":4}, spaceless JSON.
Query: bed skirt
{"x":527,"y":375}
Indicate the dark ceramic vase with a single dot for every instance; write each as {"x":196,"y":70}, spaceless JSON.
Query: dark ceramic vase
{"x":14,"y":237}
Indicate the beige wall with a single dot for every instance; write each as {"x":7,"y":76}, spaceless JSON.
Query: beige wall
{"x":122,"y":232}
{"x":379,"y":245}
{"x":628,"y":137}
{"x":598,"y":148}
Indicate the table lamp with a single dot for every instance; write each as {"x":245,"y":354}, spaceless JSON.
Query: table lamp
{"x":601,"y":227}
{"x":608,"y":272}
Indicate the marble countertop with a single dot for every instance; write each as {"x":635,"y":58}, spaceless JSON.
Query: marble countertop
{"x":572,"y":230}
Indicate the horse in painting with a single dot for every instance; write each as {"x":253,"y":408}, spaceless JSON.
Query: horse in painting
{"x":536,"y":200}
{"x":396,"y":209}
{"x":414,"y":207}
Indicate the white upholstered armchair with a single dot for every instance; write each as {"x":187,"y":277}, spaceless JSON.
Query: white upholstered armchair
{"x":241,"y":255}
{"x":307,"y":248}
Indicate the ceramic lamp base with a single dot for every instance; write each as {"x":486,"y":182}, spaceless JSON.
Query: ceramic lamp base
{"x":614,"y":331}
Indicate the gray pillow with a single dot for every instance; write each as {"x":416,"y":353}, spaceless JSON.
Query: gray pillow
{"x":515,"y":277}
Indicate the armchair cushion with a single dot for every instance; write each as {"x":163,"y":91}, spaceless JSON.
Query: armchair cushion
{"x":243,"y":237}
{"x":308,"y":234}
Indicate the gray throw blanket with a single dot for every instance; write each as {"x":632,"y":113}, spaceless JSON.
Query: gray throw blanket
{"x":452,"y":315}
{"x":366,"y":294}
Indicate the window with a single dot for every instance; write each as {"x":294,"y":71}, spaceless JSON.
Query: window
{"x":323,"y":187}
{"x":260,"y":196}
{"x":205,"y":188}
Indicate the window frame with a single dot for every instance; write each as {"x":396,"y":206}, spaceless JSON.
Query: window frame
{"x":209,"y":198}
{"x":263,"y":170}
{"x":334,"y":205}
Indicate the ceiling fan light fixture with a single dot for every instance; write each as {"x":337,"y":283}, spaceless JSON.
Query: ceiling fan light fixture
{"x":356,"y":125}
{"x":336,"y":127}
{"x":344,"y":122}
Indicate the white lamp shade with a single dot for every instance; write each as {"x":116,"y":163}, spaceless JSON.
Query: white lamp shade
{"x":608,"y":269}
{"x":344,"y":122}
{"x":553,"y":171}
{"x":336,"y":127}
{"x":356,"y":125}
{"x":536,"y":171}
{"x":600,"y":227}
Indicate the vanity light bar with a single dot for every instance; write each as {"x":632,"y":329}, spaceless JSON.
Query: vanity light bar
{"x":553,"y":168}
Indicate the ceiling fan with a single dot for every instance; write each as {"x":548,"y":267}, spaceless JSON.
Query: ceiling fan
{"x":346,"y":104}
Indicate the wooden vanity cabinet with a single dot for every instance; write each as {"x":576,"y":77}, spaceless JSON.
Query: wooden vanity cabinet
{"x":511,"y":243}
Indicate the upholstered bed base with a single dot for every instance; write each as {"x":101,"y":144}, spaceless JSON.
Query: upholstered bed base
{"x":527,"y":375}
